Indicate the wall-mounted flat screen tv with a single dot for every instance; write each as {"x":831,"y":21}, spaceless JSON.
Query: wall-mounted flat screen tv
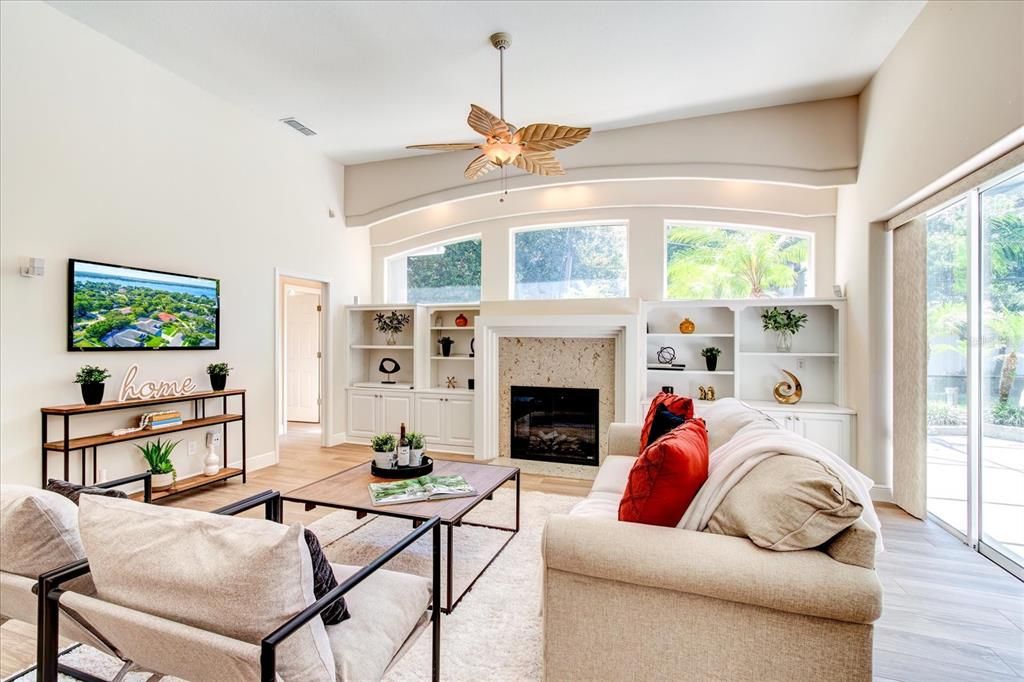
{"x":113,"y":307}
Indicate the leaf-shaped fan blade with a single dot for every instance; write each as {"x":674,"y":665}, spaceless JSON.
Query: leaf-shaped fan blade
{"x":539,"y":163}
{"x":481,"y":165}
{"x":547,"y":137}
{"x":487,"y":124}
{"x":446,"y":147}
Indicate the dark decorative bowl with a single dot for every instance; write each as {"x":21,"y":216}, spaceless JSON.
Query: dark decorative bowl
{"x":404,"y":472}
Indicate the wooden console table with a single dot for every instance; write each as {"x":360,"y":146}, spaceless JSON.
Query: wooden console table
{"x":199,"y":420}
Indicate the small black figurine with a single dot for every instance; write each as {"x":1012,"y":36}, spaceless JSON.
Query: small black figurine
{"x":388,"y":366}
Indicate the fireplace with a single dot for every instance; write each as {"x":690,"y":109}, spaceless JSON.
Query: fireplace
{"x":555,"y":424}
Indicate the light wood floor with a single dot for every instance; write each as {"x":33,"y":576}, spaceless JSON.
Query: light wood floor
{"x":949,"y":613}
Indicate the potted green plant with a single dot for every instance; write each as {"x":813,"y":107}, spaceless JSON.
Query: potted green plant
{"x":416,"y":448}
{"x":218,"y":372}
{"x":446,"y":345}
{"x":158,"y":454}
{"x":785,"y":323}
{"x":383,"y":445}
{"x":391,"y":324}
{"x":710,"y":355}
{"x":91,"y":379}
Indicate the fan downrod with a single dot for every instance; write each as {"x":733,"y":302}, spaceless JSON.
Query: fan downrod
{"x":501,"y":40}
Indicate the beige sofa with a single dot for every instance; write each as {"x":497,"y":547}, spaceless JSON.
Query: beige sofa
{"x":625,"y":601}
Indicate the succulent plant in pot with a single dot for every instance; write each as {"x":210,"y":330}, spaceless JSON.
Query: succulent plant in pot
{"x":383,"y":445}
{"x":158,"y":455}
{"x":416,"y":448}
{"x":91,"y":379}
{"x":710,"y":355}
{"x":218,"y":372}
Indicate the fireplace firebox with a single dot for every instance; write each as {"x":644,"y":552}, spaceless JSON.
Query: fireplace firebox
{"x":555,"y":424}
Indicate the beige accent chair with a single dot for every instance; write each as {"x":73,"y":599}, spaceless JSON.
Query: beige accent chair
{"x":205,"y":596}
{"x":626,"y":601}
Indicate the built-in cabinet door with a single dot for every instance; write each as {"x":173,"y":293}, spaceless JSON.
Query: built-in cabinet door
{"x":395,"y":410}
{"x":362,"y":414}
{"x":829,"y":431}
{"x":429,"y":418}
{"x":459,"y":421}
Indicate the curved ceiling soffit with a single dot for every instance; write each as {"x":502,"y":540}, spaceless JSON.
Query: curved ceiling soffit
{"x":801,"y":177}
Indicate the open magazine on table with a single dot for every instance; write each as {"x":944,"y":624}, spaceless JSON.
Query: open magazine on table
{"x":420,"y":489}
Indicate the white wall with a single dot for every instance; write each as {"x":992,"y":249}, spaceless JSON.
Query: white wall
{"x":108,"y":157}
{"x":951,"y":89}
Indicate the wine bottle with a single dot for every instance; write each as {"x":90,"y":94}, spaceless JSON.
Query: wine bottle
{"x":403,"y":448}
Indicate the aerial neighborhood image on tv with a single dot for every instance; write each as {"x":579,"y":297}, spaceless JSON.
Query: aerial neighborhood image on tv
{"x":120,"y":308}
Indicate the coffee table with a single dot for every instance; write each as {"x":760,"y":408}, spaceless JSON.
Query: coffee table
{"x":348,"y":490}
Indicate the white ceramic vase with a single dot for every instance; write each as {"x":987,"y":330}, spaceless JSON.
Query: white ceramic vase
{"x":163,"y":481}
{"x":211,"y":465}
{"x":384,"y":460}
{"x":416,"y":457}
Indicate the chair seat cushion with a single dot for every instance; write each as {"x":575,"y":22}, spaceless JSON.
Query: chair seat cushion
{"x":599,"y":504}
{"x":386,"y":609}
{"x":613,"y":474}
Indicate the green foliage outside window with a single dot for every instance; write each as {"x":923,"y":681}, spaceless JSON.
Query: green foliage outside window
{"x":586,"y":261}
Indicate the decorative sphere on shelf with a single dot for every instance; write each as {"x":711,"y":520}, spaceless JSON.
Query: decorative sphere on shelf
{"x":666,"y":354}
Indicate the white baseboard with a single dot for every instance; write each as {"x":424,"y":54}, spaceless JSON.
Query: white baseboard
{"x":336,"y":439}
{"x":254,"y":462}
{"x":881,"y":493}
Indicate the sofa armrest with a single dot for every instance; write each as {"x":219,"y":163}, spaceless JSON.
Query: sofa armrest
{"x":733,"y":569}
{"x":624,"y":439}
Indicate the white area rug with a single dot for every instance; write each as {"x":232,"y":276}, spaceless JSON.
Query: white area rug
{"x":493,"y":634}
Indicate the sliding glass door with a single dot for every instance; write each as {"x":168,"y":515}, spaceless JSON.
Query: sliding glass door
{"x":975,"y":467}
{"x":1001,"y":208}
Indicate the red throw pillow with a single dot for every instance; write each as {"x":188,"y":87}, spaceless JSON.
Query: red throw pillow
{"x":681,"y":406}
{"x":666,"y":477}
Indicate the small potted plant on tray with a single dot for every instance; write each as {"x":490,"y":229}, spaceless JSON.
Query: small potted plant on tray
{"x":785,"y":323}
{"x":158,"y":455}
{"x":710,"y":355}
{"x":218,"y":372}
{"x":383,"y":445}
{"x":391,"y":324}
{"x":416,"y":448}
{"x":91,"y":379}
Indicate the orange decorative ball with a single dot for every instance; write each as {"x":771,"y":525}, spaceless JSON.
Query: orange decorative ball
{"x":687,"y":326}
{"x":461,"y":320}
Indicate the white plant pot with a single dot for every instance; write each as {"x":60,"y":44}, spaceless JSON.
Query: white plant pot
{"x":163,"y":481}
{"x":416,"y":457}
{"x":211,"y":463}
{"x":384,"y":460}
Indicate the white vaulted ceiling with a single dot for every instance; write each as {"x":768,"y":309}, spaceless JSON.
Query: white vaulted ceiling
{"x":372,"y":77}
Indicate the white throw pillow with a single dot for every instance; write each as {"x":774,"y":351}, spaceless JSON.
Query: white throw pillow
{"x":725,"y":416}
{"x":239,"y":577}
{"x":38,"y":531}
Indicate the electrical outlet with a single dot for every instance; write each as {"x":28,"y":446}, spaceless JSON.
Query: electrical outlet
{"x":193,"y":447}
{"x":800,"y":364}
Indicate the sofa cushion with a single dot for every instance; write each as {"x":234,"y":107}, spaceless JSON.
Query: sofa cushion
{"x":238,"y":577}
{"x":786,"y":503}
{"x":324,"y":581}
{"x":854,"y":546}
{"x":73,"y":491}
{"x":667,"y":476}
{"x":664,"y":421}
{"x":598,"y":504}
{"x":726,"y":416}
{"x":386,"y":608}
{"x":38,"y":531}
{"x":676,"y":404}
{"x":613,"y":475}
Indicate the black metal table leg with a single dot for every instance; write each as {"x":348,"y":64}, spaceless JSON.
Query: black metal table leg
{"x":449,"y":581}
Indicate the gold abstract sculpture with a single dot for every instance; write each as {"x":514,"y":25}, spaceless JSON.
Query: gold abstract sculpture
{"x":787,"y":393}
{"x":707,"y":393}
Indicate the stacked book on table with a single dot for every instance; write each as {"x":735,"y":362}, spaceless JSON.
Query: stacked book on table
{"x":161,"y":420}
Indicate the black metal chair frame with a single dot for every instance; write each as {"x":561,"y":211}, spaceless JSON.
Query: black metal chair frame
{"x":50,"y":591}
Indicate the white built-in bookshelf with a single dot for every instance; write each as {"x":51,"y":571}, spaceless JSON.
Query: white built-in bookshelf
{"x":749,"y":365}
{"x":439,"y":321}
{"x":367,"y":347}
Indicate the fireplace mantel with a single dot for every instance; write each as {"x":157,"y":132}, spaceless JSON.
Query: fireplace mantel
{"x":623,"y":329}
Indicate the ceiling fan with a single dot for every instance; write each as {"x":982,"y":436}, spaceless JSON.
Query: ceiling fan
{"x":530,"y":148}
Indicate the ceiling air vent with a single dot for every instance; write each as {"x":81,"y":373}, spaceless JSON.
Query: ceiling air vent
{"x":291,"y":122}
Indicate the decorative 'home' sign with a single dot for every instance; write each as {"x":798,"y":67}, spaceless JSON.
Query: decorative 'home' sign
{"x":153,"y":389}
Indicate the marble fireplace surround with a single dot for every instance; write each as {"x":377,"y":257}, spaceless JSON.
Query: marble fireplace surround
{"x":490,"y":330}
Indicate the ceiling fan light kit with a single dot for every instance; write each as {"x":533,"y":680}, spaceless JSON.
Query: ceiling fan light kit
{"x":530,"y":148}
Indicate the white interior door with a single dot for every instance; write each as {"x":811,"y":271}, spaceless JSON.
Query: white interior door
{"x":302,"y":357}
